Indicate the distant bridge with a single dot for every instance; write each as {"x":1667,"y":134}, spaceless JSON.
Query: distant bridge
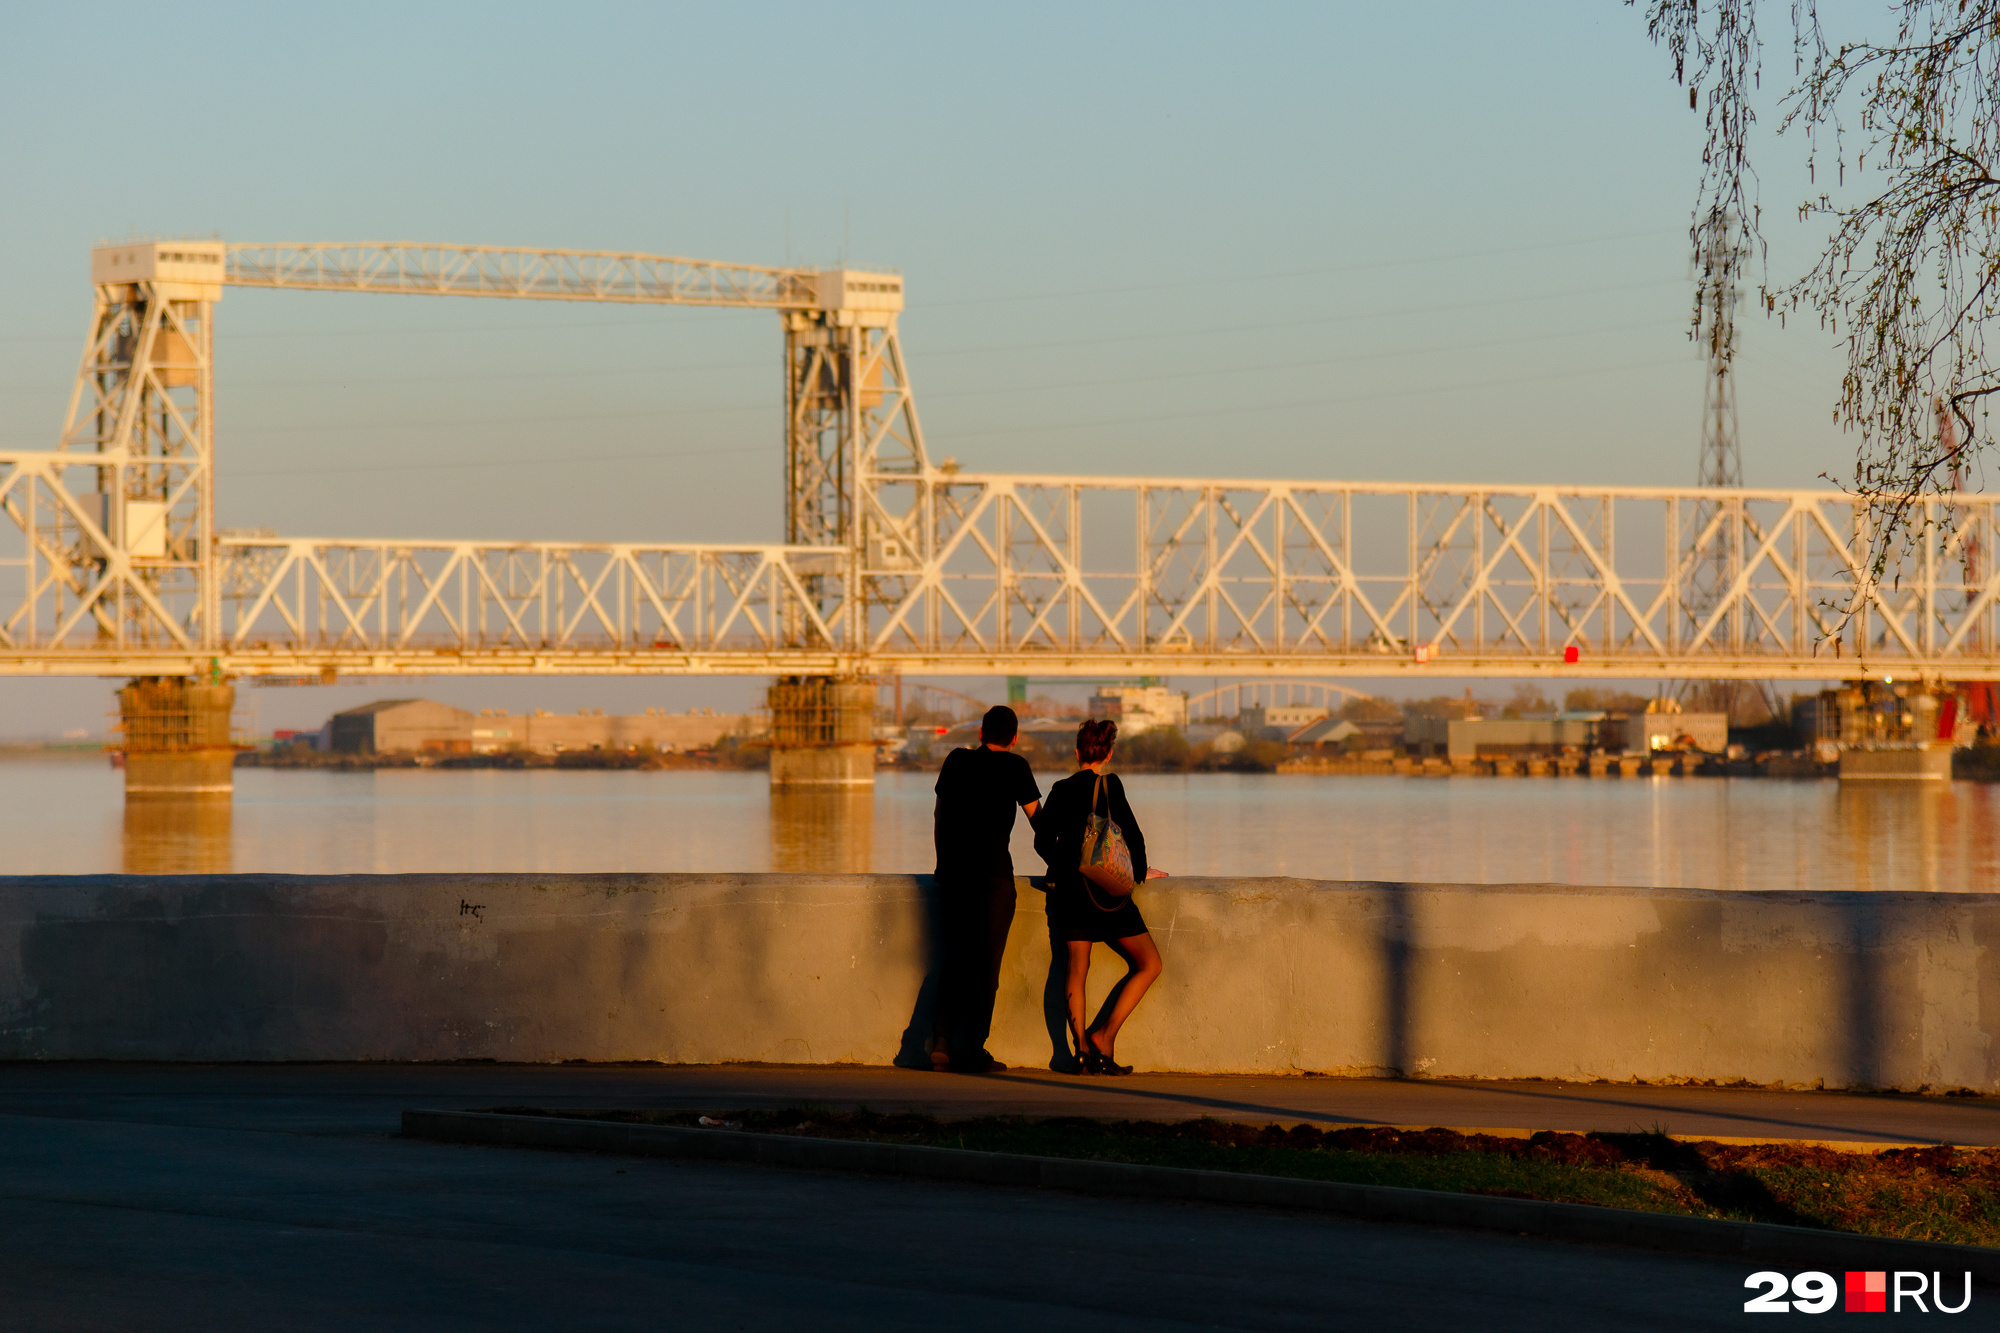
{"x":111,"y":565}
{"x":1230,"y":700}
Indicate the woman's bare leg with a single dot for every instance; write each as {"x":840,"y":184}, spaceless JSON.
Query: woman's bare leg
{"x":1144,"y":960}
{"x":1079,"y":972}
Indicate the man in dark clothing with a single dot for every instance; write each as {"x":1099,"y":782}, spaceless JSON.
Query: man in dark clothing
{"x":977,"y":793}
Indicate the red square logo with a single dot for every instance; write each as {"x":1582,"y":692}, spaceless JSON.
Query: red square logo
{"x":1867,"y":1293}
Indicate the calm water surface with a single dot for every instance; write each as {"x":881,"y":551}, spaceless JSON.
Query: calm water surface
{"x":69,"y":816}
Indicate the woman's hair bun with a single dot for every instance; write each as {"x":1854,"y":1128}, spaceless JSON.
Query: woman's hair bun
{"x":1094,"y":740}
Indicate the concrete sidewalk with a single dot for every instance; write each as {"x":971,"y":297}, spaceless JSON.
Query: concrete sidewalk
{"x":370,"y":1098}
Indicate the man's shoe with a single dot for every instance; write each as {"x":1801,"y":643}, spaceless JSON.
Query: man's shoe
{"x":981,"y":1065}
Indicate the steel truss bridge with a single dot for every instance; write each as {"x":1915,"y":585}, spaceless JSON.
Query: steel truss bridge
{"x":110,"y":563}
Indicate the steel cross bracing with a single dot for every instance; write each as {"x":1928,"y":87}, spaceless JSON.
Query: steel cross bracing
{"x":893,"y":564}
{"x":1023,"y":574}
{"x":485,"y":270}
{"x":1198,"y":577}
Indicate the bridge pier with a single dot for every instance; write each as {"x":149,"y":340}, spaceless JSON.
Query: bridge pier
{"x":822,"y":732}
{"x":177,"y":744}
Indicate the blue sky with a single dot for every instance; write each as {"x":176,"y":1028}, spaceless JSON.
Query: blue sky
{"x":1431,"y":242}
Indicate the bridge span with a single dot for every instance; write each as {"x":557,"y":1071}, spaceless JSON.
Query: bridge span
{"x":893,"y":563}
{"x":1020,"y":575}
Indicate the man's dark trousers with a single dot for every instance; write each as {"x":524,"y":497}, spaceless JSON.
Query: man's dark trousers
{"x":976,"y":910}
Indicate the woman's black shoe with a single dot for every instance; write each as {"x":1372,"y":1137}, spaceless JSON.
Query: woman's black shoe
{"x":1100,"y":1063}
{"x":1088,"y":1059}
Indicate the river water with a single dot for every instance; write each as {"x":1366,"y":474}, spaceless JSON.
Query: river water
{"x":68,"y":816}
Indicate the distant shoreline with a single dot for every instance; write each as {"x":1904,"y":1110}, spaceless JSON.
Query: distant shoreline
{"x":53,"y":750}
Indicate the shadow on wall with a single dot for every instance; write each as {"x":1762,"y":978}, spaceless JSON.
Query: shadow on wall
{"x":1848,"y":989}
{"x":914,"y":1052}
{"x":174,"y":977}
{"x":1055,"y":1002}
{"x":1863,"y":986}
{"x":1395,"y":944}
{"x":1865,"y":941}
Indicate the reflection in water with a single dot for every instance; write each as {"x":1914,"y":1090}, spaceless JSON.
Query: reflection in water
{"x":1895,"y":832}
{"x":178,"y":835}
{"x":1750,"y":833}
{"x":825,"y":830}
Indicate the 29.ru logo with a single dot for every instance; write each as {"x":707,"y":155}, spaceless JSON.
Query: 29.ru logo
{"x":1867,"y":1293}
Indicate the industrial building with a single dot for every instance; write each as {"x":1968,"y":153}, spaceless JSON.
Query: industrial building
{"x":394,"y":726}
{"x":1637,"y":733}
{"x":656,"y":729}
{"x":1137,"y":708}
{"x":1375,"y":736}
{"x":421,"y":726}
{"x":1279,"y":721}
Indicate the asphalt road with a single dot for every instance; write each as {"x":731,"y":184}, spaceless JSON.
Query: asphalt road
{"x":169,"y":1198}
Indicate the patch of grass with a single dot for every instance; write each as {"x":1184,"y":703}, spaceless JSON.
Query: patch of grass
{"x":1932,"y":1193}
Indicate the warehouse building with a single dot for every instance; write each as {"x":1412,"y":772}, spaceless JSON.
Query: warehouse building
{"x":655,"y":729}
{"x":390,"y":726}
{"x":421,"y":726}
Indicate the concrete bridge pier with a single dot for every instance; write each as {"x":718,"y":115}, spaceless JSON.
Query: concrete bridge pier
{"x":822,"y":731}
{"x":177,"y":744}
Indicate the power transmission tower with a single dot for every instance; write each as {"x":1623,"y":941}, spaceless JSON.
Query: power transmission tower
{"x":1720,"y":261}
{"x":1712,"y":540}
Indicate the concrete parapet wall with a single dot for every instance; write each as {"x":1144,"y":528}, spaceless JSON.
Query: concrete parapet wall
{"x":1263,"y":975}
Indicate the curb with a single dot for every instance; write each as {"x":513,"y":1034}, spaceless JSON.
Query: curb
{"x":1762,"y":1242}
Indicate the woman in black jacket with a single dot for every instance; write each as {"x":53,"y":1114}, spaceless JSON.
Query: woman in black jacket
{"x":1080,"y":913}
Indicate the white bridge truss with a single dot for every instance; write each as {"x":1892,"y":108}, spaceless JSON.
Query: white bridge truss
{"x":1228,"y":701}
{"x":110,"y":565}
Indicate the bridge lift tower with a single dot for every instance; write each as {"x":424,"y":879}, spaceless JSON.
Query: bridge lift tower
{"x":121,"y":531}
